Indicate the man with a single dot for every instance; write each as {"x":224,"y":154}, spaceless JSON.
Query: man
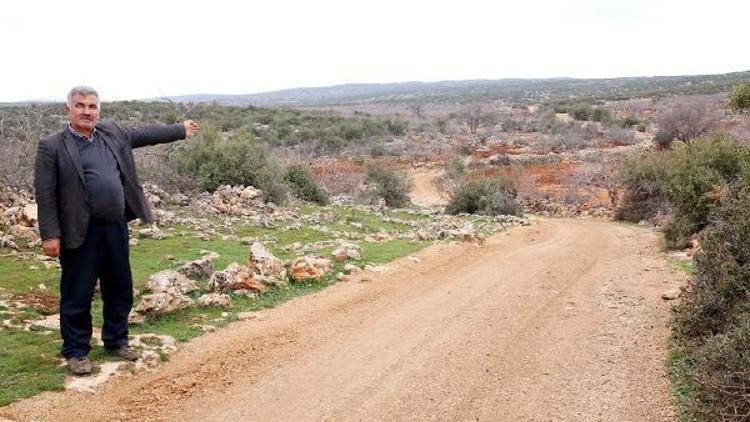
{"x":86,"y":191}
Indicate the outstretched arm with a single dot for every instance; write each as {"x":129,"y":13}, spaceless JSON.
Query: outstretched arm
{"x":145,"y":135}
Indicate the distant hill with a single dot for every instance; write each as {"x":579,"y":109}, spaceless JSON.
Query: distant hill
{"x":513,"y":90}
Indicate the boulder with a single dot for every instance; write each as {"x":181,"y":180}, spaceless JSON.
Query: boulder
{"x":309,"y":268}
{"x":163,"y":303}
{"x":261,"y":261}
{"x":200,"y":268}
{"x":215,"y":299}
{"x":236,"y":277}
{"x":347,"y":251}
{"x":168,"y":279}
{"x":265,"y":264}
{"x":29,"y":215}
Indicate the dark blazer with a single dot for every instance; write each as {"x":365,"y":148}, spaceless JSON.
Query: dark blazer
{"x":61,"y":189}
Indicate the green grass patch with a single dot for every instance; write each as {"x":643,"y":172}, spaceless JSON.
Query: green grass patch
{"x":684,"y":265}
{"x":16,"y":277}
{"x":29,"y":364}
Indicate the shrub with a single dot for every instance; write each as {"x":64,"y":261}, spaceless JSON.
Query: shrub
{"x":383,"y":183}
{"x":214,"y":161}
{"x":581,"y":111}
{"x":494,"y":196}
{"x":303,"y":186}
{"x":643,"y":179}
{"x":712,"y":320}
{"x":697,"y":173}
{"x":629,"y":121}
{"x":739,"y":100}
{"x":599,"y":114}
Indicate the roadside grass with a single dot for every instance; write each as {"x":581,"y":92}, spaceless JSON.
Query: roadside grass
{"x":684,"y":265}
{"x":678,"y":364}
{"x":682,"y":389}
{"x":29,"y":360}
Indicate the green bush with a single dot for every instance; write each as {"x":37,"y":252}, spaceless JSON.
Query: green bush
{"x":384,"y":183}
{"x":303,"y":186}
{"x":581,"y":111}
{"x":686,"y":181}
{"x":697,"y":172}
{"x":630,"y":121}
{"x":643,"y":179}
{"x":599,"y":114}
{"x":493,"y":196}
{"x":739,"y":100}
{"x":214,"y":161}
{"x":712,"y":320}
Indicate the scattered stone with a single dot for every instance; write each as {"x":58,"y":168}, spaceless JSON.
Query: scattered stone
{"x":671,"y":294}
{"x":414,"y":259}
{"x":309,"y":268}
{"x":163,"y":303}
{"x":215,"y":299}
{"x":244,"y":316}
{"x":236,"y":277}
{"x":350,"y":268}
{"x":87,"y":384}
{"x":133,"y":241}
{"x":134,"y":318}
{"x":200,"y":268}
{"x":347,"y":251}
{"x":265,"y":264}
{"x":167,"y":280}
{"x":152,"y":232}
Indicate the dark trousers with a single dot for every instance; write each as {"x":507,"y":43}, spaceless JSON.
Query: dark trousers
{"x":104,"y":255}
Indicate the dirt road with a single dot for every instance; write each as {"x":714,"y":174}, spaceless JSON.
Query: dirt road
{"x":424,"y":192}
{"x":558,"y":321}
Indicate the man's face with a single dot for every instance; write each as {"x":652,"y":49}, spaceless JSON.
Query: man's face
{"x":83,"y":112}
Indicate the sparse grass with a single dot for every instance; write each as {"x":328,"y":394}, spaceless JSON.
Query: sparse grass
{"x":684,"y":265}
{"x":683,"y":391}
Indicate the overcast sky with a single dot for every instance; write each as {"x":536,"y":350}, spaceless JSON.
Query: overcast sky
{"x":141,"y":49}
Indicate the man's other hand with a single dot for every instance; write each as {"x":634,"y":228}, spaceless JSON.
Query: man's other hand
{"x":191,"y":128}
{"x":51,"y":247}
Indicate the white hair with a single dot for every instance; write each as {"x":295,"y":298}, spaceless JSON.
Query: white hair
{"x":86,"y":91}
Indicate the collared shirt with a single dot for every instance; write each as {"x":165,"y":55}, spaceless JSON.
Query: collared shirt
{"x":80,"y":136}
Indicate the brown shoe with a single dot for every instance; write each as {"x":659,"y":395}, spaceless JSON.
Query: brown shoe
{"x":79,"y":366}
{"x":127,"y":353}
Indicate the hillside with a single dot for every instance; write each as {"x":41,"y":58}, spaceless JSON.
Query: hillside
{"x":511,"y":90}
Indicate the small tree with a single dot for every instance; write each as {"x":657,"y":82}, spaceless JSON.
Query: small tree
{"x":684,"y":120}
{"x":476,"y":116}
